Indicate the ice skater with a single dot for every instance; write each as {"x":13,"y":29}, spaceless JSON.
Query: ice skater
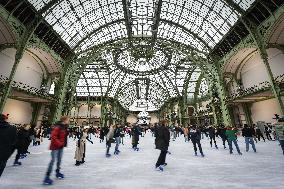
{"x":80,"y":152}
{"x":248,"y":133}
{"x":135,"y":139}
{"x":23,"y":141}
{"x":162,"y":142}
{"x":109,"y":140}
{"x":57,"y":143}
{"x":279,"y":129}
{"x":8,"y":138}
{"x":195,"y":136}
{"x":231,"y":134}
{"x":117,"y":134}
{"x":212,"y":136}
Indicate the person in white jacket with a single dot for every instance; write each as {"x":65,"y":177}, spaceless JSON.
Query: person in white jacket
{"x":109,"y":139}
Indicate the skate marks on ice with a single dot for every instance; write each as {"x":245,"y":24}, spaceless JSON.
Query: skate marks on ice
{"x":136,"y":169}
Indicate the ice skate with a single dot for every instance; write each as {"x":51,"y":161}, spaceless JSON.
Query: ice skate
{"x":47,"y":181}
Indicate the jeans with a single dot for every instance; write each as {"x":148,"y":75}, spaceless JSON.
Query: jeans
{"x":55,"y":155}
{"x":212,"y":138}
{"x":194,"y":142}
{"x":162,"y":158}
{"x":231,"y":145}
{"x":108,"y":145}
{"x":117,"y":142}
{"x":282,"y":145}
{"x":249,"y":140}
{"x":2,"y":166}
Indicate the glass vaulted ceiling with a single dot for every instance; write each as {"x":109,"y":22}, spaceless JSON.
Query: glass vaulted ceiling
{"x":146,"y":73}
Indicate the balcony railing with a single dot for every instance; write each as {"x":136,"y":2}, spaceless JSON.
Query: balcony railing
{"x":23,"y":87}
{"x":261,"y":87}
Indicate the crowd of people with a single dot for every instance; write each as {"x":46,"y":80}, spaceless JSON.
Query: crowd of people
{"x":19,"y":139}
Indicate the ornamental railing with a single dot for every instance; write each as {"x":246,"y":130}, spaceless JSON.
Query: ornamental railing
{"x":261,"y":87}
{"x":23,"y":87}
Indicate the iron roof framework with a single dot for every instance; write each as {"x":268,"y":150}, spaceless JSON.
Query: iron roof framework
{"x":148,"y":31}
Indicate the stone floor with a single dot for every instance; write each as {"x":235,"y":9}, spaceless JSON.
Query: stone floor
{"x":135,"y":170}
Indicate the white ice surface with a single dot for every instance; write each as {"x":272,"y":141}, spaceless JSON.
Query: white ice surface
{"x":135,"y":170}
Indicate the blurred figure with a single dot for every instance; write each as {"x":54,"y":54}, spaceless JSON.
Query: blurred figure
{"x":58,"y":142}
{"x":259,"y":133}
{"x":162,"y":142}
{"x":23,"y":141}
{"x":135,"y":139}
{"x":279,"y":130}
{"x":222,"y":133}
{"x":195,"y":136}
{"x":231,"y":134}
{"x":7,"y":141}
{"x":80,"y":152}
{"x":109,"y":139}
{"x":248,"y":133}
{"x":212,"y":136}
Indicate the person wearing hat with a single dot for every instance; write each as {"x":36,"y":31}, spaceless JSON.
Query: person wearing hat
{"x":8,"y":135}
{"x":81,"y":146}
{"x":279,"y":130}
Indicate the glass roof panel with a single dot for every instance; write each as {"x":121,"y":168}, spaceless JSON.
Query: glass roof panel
{"x":151,"y":68}
{"x":84,"y":23}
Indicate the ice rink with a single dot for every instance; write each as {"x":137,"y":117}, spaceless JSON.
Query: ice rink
{"x":136,"y":170}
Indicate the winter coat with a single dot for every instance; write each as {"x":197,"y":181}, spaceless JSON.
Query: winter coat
{"x":117,"y":132}
{"x":23,"y":140}
{"x":136,"y":133}
{"x":81,"y":147}
{"x":185,"y":132}
{"x":110,"y":133}
{"x":162,"y":140}
{"x":58,"y":136}
{"x":211,"y":131}
{"x":8,"y":136}
{"x":102,"y":135}
{"x":231,"y":134}
{"x":248,"y":132}
{"x":195,"y":134}
{"x":221,"y":132}
{"x":279,"y":129}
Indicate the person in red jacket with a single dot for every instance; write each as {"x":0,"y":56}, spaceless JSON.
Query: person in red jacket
{"x":58,"y":142}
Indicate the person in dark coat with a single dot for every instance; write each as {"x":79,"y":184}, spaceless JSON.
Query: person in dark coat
{"x":8,"y":136}
{"x":212,"y":135}
{"x":135,"y":140}
{"x":58,"y":141}
{"x":267,"y":131}
{"x":222,"y":133}
{"x":259,"y":133}
{"x":102,"y":135}
{"x":248,"y":133}
{"x":195,"y":136}
{"x":162,"y":143}
{"x":23,"y":141}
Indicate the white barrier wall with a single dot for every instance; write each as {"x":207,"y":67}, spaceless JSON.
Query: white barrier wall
{"x":20,"y":112}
